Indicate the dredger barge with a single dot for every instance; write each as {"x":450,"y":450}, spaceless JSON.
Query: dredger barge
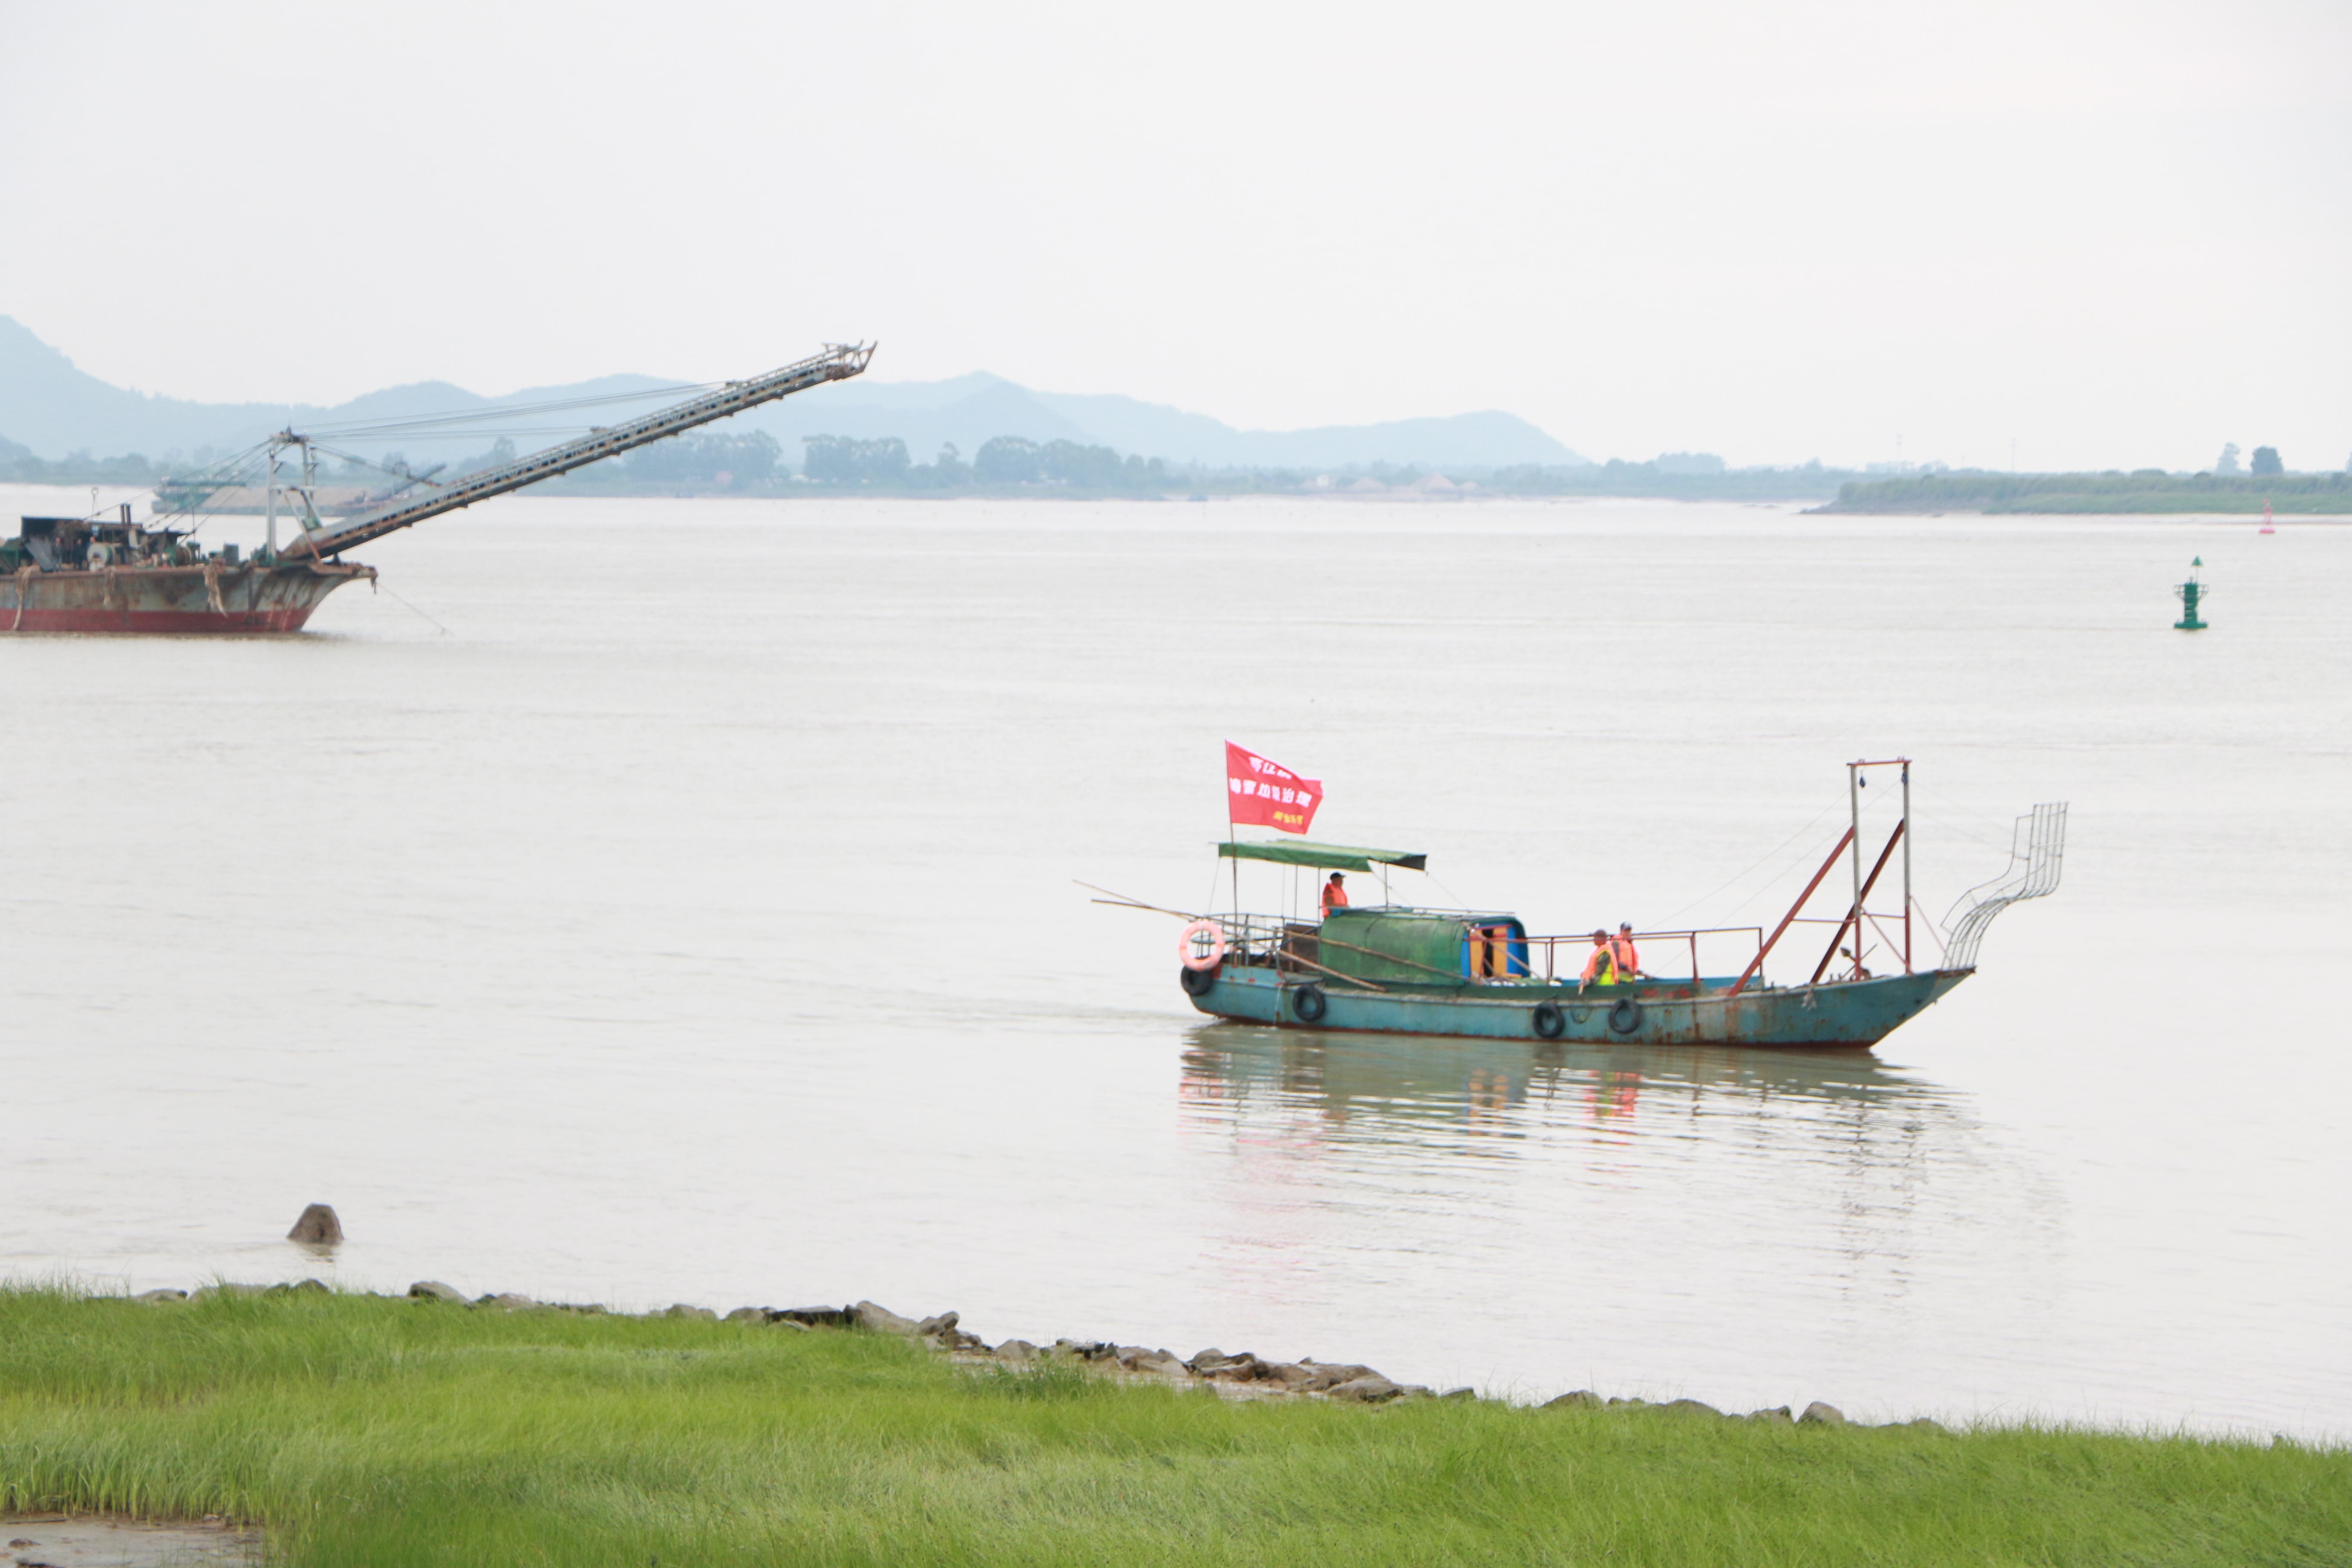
{"x":110,"y":573}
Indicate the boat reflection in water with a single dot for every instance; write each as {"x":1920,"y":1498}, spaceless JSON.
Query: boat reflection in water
{"x":1684,"y":1177}
{"x":1387,"y":1084}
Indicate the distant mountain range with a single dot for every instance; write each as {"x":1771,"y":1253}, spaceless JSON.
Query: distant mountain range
{"x":56,"y":410}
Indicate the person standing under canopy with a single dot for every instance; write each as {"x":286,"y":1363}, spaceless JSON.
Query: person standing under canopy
{"x":1335,"y":893}
{"x":1601,"y":968}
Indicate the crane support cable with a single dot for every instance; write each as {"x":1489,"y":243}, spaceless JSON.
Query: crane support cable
{"x":838,"y":363}
{"x":381,"y":429}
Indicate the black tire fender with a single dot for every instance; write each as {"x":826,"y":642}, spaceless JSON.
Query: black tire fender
{"x":1196,"y":982}
{"x":1626,"y":1015}
{"x":1307,"y":1003}
{"x":1549,"y":1021}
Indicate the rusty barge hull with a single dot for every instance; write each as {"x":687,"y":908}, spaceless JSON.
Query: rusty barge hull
{"x":214,"y":597}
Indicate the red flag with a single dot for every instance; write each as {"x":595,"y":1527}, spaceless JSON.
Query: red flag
{"x":1259,"y":794}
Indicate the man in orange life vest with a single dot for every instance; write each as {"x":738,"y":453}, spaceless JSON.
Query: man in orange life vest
{"x":1335,"y":897}
{"x":1601,"y":968}
{"x":1629,"y":962}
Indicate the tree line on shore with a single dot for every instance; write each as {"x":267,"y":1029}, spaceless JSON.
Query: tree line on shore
{"x":754,"y":463}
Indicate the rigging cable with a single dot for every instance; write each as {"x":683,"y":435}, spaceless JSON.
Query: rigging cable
{"x":348,"y":430}
{"x":377,"y":584}
{"x":1742,"y":875}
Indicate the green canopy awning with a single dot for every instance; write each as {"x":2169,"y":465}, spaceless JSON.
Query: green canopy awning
{"x":1322,"y":857}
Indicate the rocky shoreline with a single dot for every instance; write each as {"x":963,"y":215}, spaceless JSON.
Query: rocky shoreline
{"x":1241,"y":1375}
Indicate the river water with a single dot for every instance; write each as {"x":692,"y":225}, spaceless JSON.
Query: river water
{"x":675,"y":901}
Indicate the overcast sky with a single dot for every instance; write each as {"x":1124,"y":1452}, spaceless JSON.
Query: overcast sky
{"x":2117,"y":234}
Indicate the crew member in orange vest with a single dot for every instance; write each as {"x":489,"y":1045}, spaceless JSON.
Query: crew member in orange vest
{"x":1601,"y":969}
{"x":1335,"y":897}
{"x":1629,"y":962}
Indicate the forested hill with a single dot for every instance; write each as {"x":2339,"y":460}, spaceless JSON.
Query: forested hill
{"x":2149,"y":490}
{"x":53,"y":412}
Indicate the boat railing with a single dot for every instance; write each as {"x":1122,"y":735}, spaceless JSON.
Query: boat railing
{"x":1290,"y":944}
{"x":1686,"y":942}
{"x":1497,"y":954}
{"x":1264,"y":939}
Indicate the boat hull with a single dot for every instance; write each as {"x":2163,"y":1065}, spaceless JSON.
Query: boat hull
{"x":215,"y":598}
{"x":1855,"y":1013}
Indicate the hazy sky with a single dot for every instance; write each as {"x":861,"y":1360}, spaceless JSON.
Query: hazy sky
{"x":2118,"y":232}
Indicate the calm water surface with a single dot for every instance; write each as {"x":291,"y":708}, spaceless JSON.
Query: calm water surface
{"x":667,"y":900}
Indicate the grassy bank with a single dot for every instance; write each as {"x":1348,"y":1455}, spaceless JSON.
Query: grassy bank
{"x":387,"y":1432}
{"x":2148,"y":492}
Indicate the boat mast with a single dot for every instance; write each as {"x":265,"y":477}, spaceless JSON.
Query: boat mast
{"x":1906,"y":865}
{"x":305,"y":492}
{"x":1853,"y":800}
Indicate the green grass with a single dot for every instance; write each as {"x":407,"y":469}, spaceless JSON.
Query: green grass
{"x":383,"y":1432}
{"x":2149,"y":491}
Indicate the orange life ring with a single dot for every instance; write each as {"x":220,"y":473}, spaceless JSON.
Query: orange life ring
{"x":1195,"y":956}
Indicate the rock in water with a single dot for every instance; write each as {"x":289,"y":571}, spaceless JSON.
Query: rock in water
{"x":1583,"y":1399}
{"x":433,"y":1291}
{"x":317,"y":1227}
{"x":1819,"y":1414}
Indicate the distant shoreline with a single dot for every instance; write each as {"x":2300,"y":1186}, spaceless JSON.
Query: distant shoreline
{"x":2142,"y":494}
{"x":1938,"y":495}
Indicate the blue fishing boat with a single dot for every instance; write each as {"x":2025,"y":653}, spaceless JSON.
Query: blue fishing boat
{"x":1402,"y":969}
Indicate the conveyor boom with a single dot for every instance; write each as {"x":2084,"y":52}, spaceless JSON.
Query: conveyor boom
{"x":838,"y":363}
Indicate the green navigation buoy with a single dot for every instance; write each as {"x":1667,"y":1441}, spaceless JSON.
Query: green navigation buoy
{"x":2188,"y":592}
